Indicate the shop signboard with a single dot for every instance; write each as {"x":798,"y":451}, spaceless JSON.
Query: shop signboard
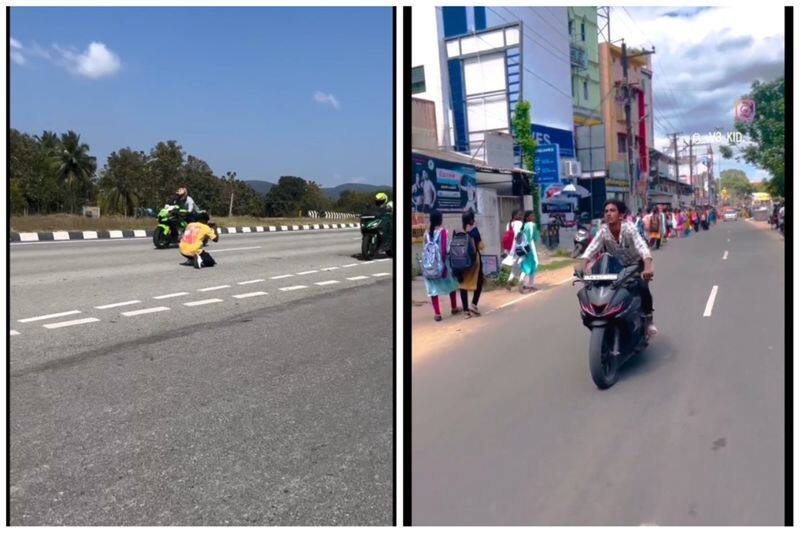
{"x":546,"y":166}
{"x":545,"y":135}
{"x":445,"y":186}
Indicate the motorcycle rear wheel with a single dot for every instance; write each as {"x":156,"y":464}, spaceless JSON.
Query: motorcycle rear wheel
{"x":368,"y":247}
{"x":602,"y":365}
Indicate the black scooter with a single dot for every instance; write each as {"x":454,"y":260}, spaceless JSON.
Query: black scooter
{"x":611,"y":308}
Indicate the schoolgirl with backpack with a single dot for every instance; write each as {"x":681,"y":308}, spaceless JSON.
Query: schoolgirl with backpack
{"x":465,"y":257}
{"x":436,"y":269}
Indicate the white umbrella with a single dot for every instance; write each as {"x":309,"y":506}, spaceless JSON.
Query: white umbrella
{"x":583,"y":192}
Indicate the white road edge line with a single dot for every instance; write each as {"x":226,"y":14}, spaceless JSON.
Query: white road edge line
{"x":710,"y":303}
{"x":330,"y":282}
{"x":71,"y":323}
{"x":358,"y":278}
{"x":173,"y":295}
{"x":282,"y":276}
{"x":218,"y":287}
{"x":145,"y":311}
{"x":293,"y":288}
{"x":725,"y":255}
{"x":45,"y":317}
{"x":202,"y":302}
{"x":250,"y":281}
{"x":249,"y":294}
{"x":307,"y":272}
{"x":512,"y":302}
{"x":120,"y":304}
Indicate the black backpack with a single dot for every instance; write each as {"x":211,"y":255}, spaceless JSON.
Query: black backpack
{"x":462,"y":252}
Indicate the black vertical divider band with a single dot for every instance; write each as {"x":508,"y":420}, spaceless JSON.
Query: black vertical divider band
{"x":789,"y":271}
{"x":406,"y":211}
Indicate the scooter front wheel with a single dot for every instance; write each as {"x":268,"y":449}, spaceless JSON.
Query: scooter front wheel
{"x":368,"y":246}
{"x":602,"y":364}
{"x":161,"y":240}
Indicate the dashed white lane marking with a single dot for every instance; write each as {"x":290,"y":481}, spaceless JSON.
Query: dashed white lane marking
{"x":234,"y":249}
{"x":202,"y":302}
{"x":173,"y":295}
{"x":45,"y":317}
{"x":55,"y":325}
{"x":250,"y":281}
{"x":358,"y":278}
{"x":330,"y":282}
{"x":725,"y":255}
{"x":13,"y":332}
{"x":379,"y":274}
{"x":293,"y":288}
{"x":218,"y":287}
{"x":120,"y":304}
{"x":145,"y":311}
{"x":710,"y":302}
{"x":382,"y":260}
{"x":350,"y":265}
{"x":307,"y":272}
{"x":250,"y":294}
{"x":282,"y":276}
{"x":329,"y":268}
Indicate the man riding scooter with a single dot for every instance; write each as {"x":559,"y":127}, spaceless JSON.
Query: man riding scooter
{"x":623,"y":241}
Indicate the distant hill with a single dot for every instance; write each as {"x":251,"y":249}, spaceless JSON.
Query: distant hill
{"x":260,"y":186}
{"x":334,"y":192}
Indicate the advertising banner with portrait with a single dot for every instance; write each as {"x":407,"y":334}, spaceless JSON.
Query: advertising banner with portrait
{"x":443,"y":186}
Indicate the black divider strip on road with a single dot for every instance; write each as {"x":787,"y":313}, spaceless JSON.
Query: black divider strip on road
{"x":129,"y":234}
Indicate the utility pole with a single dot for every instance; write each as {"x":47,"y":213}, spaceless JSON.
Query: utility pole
{"x":231,"y":178}
{"x":628,"y":94}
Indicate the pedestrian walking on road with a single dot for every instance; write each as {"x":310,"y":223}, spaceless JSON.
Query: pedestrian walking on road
{"x":638,"y":222}
{"x":530,"y":263}
{"x":687,"y":222}
{"x":654,"y":228}
{"x":195,"y":236}
{"x":696,"y":220}
{"x":436,"y":269}
{"x":509,"y":237}
{"x":471,"y":279}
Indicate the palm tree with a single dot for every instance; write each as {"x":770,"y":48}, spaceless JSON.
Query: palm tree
{"x":76,"y":166}
{"x":119,"y":183}
{"x":48,"y":141}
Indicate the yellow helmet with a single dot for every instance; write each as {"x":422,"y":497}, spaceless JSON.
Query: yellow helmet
{"x":381,"y":198}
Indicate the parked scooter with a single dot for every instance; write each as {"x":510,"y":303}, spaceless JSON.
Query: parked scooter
{"x":611,"y":308}
{"x":583,"y":235}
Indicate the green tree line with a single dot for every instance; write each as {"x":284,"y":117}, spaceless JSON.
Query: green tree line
{"x":51,"y":173}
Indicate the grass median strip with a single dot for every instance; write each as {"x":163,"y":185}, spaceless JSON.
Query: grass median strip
{"x":68,"y":323}
{"x":145,"y":311}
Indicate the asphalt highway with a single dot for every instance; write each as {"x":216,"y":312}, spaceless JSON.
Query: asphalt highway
{"x":509,"y":429}
{"x":256,"y":392}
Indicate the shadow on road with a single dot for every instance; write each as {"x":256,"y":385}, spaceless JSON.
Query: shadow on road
{"x":656,"y":355}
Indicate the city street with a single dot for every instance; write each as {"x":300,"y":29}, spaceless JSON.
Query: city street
{"x":509,"y":429}
{"x":256,"y":392}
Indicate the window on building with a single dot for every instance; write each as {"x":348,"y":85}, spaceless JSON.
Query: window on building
{"x":623,"y":146}
{"x":585,"y":90}
{"x":569,"y":27}
{"x":583,"y":32}
{"x":418,"y":80}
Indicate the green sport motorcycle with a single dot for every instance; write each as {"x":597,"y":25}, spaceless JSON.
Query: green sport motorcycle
{"x":172,"y":220}
{"x":376,"y":235}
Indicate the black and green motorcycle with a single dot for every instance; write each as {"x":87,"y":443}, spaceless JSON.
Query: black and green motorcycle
{"x":376,"y":235}
{"x":172,"y":221}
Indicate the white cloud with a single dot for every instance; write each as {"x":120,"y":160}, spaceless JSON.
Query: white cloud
{"x":15,"y":43}
{"x":17,"y":57}
{"x":95,"y":62}
{"x":326,"y":98}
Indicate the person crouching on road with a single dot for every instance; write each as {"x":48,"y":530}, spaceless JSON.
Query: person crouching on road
{"x":194,"y":238}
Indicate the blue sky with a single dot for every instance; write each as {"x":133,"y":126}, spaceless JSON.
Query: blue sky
{"x":262,"y":91}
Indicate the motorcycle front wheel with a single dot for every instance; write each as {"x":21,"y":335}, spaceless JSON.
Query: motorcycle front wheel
{"x":368,"y":246}
{"x":602,"y":364}
{"x":161,"y":240}
{"x":576,"y":251}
